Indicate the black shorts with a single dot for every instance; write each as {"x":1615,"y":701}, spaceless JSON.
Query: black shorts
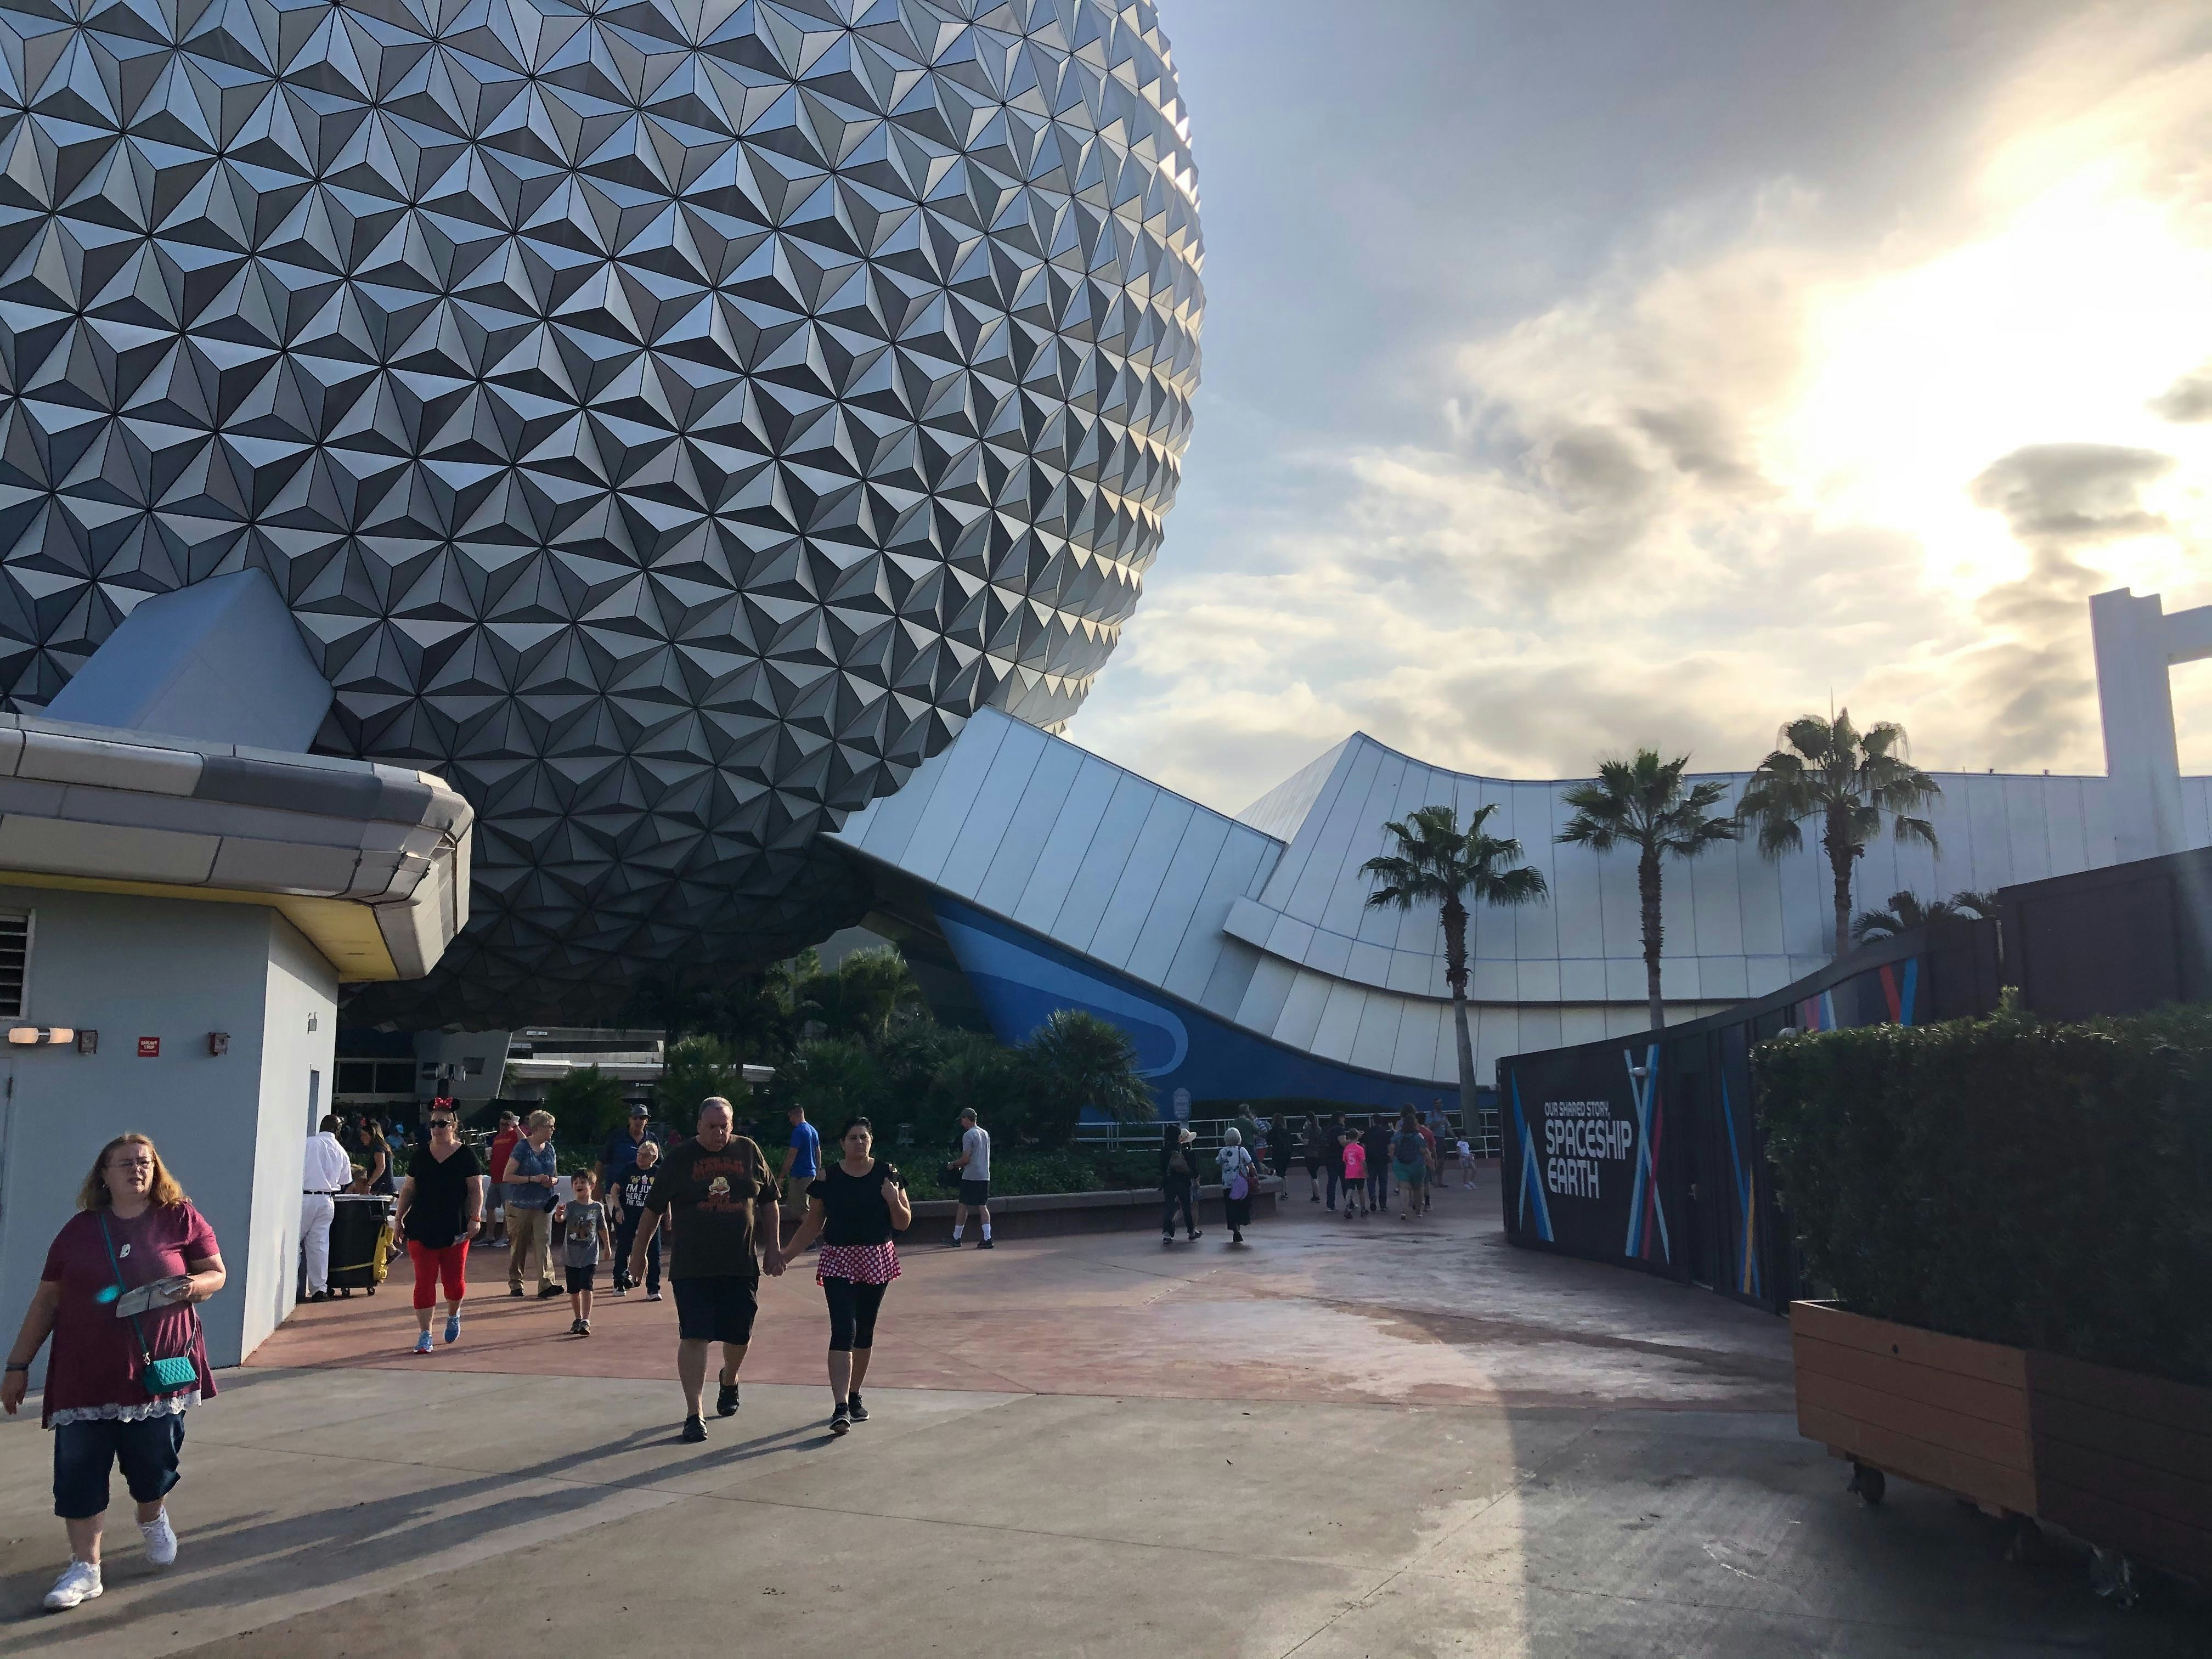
{"x":975,"y":1193}
{"x":580,"y":1279}
{"x":718,"y":1309}
{"x":1314,"y":1165}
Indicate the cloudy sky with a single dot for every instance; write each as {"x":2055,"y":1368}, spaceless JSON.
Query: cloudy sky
{"x":1585,"y":374}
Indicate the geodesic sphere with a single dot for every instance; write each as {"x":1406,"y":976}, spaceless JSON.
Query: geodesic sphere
{"x":667,"y":420}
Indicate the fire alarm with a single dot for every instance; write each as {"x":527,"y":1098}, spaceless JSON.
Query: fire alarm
{"x":218,"y":1043}
{"x":149,"y":1048}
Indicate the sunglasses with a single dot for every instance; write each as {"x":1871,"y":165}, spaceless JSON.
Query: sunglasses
{"x":441,"y":1123}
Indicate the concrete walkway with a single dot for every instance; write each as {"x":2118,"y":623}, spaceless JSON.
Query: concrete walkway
{"x":1377,"y":1438}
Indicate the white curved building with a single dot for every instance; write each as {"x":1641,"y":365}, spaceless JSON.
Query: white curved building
{"x":1240,"y":952}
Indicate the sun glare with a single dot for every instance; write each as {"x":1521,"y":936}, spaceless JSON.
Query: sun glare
{"x":2059,"y":327}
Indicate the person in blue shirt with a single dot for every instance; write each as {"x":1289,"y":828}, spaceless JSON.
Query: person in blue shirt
{"x":802,"y":1162}
{"x":618,"y":1157}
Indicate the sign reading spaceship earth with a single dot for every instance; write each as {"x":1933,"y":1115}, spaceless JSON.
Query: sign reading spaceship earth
{"x":668,"y":421}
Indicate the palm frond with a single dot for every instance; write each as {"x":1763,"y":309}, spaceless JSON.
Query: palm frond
{"x":1917,"y":830}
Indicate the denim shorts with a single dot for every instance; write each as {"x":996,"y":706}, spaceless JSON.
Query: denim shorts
{"x":85,"y":1451}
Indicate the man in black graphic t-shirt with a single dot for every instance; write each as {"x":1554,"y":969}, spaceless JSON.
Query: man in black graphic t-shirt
{"x":724,"y":1198}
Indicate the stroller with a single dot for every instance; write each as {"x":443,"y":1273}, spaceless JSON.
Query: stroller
{"x":361,"y":1242}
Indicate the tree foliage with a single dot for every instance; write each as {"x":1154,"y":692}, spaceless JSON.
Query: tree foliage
{"x":835,"y":1078}
{"x":861,"y":998}
{"x":1076,"y":1060}
{"x":1848,"y":782}
{"x":588,"y":1106}
{"x":1437,"y":863}
{"x":1643,"y":803}
{"x":696,"y":1067}
{"x":1905,"y":912}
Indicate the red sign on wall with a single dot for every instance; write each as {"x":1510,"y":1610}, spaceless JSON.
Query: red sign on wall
{"x":149,"y":1048}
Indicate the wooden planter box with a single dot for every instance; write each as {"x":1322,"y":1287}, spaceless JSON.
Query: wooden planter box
{"x":2124,"y":1460}
{"x":2121,"y":1460}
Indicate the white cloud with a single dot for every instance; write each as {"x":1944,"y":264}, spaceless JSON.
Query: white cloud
{"x":1746,"y":465}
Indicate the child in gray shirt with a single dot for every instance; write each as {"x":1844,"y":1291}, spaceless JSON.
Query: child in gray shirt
{"x":586,"y":1218}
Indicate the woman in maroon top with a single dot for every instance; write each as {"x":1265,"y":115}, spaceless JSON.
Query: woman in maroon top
{"x":135,"y":1232}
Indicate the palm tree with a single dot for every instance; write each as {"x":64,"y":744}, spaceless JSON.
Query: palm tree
{"x":1847,"y":780}
{"x":864,"y":995}
{"x":1438,"y":863}
{"x":1906,"y":912}
{"x":1642,"y":802}
{"x":1076,"y":1060}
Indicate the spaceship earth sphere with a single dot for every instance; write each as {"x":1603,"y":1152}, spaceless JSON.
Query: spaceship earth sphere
{"x":668,"y":421}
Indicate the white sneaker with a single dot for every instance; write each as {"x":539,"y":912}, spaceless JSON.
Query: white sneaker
{"x":161,"y":1540}
{"x":80,"y":1584}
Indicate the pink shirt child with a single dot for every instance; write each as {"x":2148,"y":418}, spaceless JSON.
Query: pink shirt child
{"x":1355,"y":1161}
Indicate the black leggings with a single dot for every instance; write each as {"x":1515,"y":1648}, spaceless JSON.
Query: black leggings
{"x":1176,"y":1193}
{"x":853,"y":1309}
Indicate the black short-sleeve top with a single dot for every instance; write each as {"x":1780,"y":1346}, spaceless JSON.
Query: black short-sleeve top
{"x":438,"y":1217}
{"x":859,"y":1213}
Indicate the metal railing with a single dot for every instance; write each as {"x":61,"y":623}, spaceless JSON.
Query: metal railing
{"x":1484,"y":1142}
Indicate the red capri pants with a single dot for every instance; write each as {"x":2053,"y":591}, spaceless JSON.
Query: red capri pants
{"x":434,"y":1266}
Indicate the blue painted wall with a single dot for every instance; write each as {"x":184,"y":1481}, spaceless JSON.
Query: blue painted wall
{"x":1021,"y":978}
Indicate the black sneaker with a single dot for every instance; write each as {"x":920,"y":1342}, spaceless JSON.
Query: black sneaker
{"x":1196,"y":1235}
{"x":855,"y":1409}
{"x":575,"y":1328}
{"x":515,"y":1290}
{"x":548,"y":1292}
{"x":841,"y":1420}
{"x":985,"y":1245}
{"x":726,"y":1400}
{"x":695,"y":1429}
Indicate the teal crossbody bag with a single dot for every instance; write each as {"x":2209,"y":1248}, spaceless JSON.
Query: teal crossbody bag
{"x":159,"y":1377}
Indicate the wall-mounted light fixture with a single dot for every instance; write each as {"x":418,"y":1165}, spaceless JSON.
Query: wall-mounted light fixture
{"x":28,"y":1036}
{"x":218,"y":1043}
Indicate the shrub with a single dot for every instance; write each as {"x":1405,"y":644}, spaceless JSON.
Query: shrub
{"x":1076,"y":1060}
{"x":587,"y":1107}
{"x":834,"y":1078}
{"x":2039,"y":1186}
{"x":697,"y":1067}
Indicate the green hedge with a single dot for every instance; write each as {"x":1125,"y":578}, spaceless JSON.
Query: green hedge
{"x":1070,"y":1171}
{"x":2040,"y":1185}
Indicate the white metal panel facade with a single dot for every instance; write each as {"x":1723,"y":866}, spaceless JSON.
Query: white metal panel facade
{"x":1120,"y":870}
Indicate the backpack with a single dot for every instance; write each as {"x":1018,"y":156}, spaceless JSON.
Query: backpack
{"x":1410,"y":1148}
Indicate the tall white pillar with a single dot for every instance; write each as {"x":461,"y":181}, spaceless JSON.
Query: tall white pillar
{"x":2136,"y":645}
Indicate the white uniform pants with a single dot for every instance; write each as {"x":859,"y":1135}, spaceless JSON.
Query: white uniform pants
{"x":315,"y":1210}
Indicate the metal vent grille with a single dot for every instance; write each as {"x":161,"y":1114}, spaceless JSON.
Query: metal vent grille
{"x":14,"y":961}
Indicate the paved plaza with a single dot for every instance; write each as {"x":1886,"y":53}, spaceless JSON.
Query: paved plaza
{"x":1374,"y":1438}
